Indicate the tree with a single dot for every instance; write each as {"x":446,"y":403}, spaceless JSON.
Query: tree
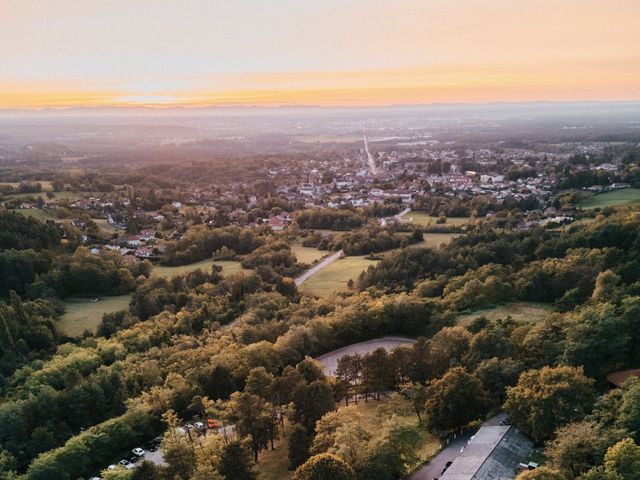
{"x":235,"y":463}
{"x":177,"y":451}
{"x":454,"y":400}
{"x":310,"y":369}
{"x":324,"y":467}
{"x":541,"y":473}
{"x":496,"y":375}
{"x":600,"y":473}
{"x":310,"y":402}
{"x":606,"y":286}
{"x":377,"y":372}
{"x":624,"y":459}
{"x":259,"y":382}
{"x":548,"y":398}
{"x":445,"y":350}
{"x":252,"y":418}
{"x":417,"y":393}
{"x":299,"y":443}
{"x":580,"y":446}
{"x":146,"y":470}
{"x":342,"y":433}
{"x":348,"y":373}
{"x":594,"y":341}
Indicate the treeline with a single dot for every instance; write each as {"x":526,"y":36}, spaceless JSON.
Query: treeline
{"x":329,"y":219}
{"x":535,"y":265}
{"x":586,"y":178}
{"x":22,"y":233}
{"x":26,"y":332}
{"x":274,"y":254}
{"x":372,"y":238}
{"x":200,"y":243}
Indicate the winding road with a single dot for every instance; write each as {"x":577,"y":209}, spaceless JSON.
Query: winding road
{"x":315,"y":269}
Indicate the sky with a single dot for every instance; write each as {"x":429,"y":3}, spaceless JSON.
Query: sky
{"x":163,"y":53}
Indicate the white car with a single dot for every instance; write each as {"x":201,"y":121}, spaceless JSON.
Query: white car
{"x":112,"y":467}
{"x":138,"y":452}
{"x":199,"y":425}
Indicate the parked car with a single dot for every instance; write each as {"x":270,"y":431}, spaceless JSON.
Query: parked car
{"x":125,"y":463}
{"x":199,"y":425}
{"x":138,"y":452}
{"x":112,"y":467}
{"x":150,"y":447}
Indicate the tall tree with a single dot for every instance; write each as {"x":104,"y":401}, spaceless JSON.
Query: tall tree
{"x":548,"y":398}
{"x":454,"y":400}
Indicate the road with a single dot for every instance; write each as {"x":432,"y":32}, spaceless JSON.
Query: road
{"x":315,"y":269}
{"x":434,"y":468}
{"x":371,"y":162}
{"x":396,"y":218}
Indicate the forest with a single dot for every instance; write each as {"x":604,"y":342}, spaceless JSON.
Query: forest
{"x":239,"y":348}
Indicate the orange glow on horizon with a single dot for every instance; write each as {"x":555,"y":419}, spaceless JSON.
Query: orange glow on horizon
{"x":581,"y":81}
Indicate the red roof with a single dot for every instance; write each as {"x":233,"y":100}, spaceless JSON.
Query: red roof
{"x":618,"y":378}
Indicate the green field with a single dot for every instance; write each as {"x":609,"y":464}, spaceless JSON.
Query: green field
{"x":85,"y":314}
{"x":66,"y":195}
{"x":436,"y":239}
{"x":424,"y":219}
{"x":35,"y":213}
{"x":46,"y":184}
{"x":611,"y":199}
{"x":530,"y":312}
{"x":229,"y":267}
{"x":307,"y":255}
{"x":335,"y":276}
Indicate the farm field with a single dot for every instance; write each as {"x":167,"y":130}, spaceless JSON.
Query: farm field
{"x":423,"y":219}
{"x":229,"y":267}
{"x":35,"y":213}
{"x":307,"y":255}
{"x":530,"y":312}
{"x":46,"y":184}
{"x":329,"y":360}
{"x":273,"y":464}
{"x":610,"y":199}
{"x":65,"y":195}
{"x":334,"y":277}
{"x":84,"y":314}
{"x":435,"y":239}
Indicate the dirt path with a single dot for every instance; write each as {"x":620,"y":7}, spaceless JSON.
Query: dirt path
{"x":313,"y":270}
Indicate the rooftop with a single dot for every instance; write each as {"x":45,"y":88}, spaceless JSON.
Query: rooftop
{"x":492,"y":453}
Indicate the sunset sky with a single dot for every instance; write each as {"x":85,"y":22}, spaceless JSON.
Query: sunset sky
{"x":65,"y":53}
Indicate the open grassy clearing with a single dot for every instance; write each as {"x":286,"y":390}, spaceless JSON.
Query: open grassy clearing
{"x":610,"y":199}
{"x":86,"y":314}
{"x":424,"y":219}
{"x":335,"y":276}
{"x":273,"y":463}
{"x":106,"y":226}
{"x":329,"y":360}
{"x":35,"y":213}
{"x":435,"y":239}
{"x":307,"y":255}
{"x":46,"y":184}
{"x":530,"y":312}
{"x":229,"y":267}
{"x":66,"y":195}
